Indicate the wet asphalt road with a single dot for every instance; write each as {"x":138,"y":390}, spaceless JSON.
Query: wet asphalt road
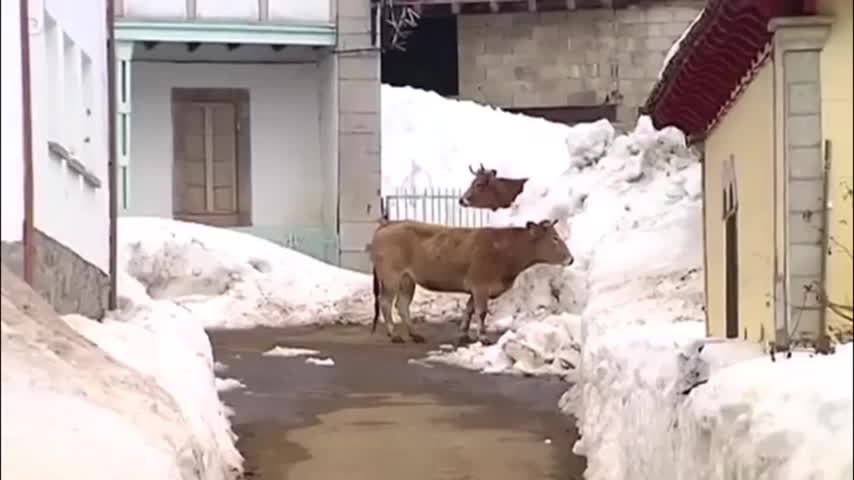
{"x":373,"y":415}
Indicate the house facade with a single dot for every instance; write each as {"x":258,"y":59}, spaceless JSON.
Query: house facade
{"x":260,"y":116}
{"x":569,"y":61}
{"x":772,"y":105}
{"x":56,"y":195}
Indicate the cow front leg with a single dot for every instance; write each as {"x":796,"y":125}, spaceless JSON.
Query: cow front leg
{"x":386,"y":302}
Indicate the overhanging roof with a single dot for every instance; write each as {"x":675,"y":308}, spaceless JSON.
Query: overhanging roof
{"x":715,"y":60}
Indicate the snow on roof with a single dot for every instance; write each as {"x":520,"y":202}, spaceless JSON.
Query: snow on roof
{"x":676,"y":45}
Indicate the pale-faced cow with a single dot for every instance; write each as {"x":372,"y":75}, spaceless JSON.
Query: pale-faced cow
{"x":483,"y":262}
{"x":488,"y":190}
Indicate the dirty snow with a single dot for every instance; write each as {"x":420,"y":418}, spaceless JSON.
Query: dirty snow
{"x":59,"y":389}
{"x":321,"y":362}
{"x":163,"y":341}
{"x":226,"y":384}
{"x":228,"y":279}
{"x":279,"y":351}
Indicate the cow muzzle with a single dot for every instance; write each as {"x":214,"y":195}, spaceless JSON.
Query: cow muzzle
{"x":569,"y":260}
{"x":464,"y":202}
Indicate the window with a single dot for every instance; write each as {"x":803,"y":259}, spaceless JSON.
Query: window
{"x":211,"y":174}
{"x":74,"y":113}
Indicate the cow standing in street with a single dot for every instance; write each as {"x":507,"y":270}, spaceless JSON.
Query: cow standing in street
{"x":488,"y":190}
{"x":483,"y":262}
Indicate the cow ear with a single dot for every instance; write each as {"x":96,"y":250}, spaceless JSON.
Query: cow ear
{"x":493,"y":173}
{"x":546,"y":223}
{"x":530,"y":225}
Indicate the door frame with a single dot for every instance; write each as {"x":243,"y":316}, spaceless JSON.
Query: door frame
{"x":239,"y":97}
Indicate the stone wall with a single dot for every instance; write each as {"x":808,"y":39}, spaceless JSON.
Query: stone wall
{"x":572,"y":58}
{"x":359,"y":180}
{"x":69,"y":283}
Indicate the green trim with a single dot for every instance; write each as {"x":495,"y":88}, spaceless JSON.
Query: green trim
{"x":268,"y":34}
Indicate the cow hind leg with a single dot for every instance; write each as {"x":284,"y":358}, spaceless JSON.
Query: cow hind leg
{"x":481,"y":303}
{"x":389,"y":292}
{"x":465,"y":323}
{"x":404,"y":299}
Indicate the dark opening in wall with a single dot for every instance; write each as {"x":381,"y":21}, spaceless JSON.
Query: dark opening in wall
{"x":430,"y":59}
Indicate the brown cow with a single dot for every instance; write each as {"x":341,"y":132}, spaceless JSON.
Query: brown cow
{"x":483,"y":262}
{"x":488,"y":190}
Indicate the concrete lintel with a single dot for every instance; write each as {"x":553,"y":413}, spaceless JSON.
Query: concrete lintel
{"x":800,"y":33}
{"x":214,"y":32}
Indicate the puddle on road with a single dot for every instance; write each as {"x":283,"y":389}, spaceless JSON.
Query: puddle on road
{"x":402,"y":437}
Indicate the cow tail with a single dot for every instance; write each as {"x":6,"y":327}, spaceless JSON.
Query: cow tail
{"x":376,"y":301}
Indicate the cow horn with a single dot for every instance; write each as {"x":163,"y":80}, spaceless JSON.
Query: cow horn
{"x":482,"y":168}
{"x":472,"y":170}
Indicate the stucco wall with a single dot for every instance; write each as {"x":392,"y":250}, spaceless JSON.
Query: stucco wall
{"x":288,"y":173}
{"x":10,"y":130}
{"x":747,"y":133}
{"x":837,"y":124}
{"x":568,"y":58}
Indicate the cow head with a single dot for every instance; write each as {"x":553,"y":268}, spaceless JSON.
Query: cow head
{"x":482,"y":192}
{"x":548,"y":246}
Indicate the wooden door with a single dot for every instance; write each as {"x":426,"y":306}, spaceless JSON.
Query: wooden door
{"x":205,"y":176}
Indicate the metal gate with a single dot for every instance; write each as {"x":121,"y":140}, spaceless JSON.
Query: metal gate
{"x":434,"y":205}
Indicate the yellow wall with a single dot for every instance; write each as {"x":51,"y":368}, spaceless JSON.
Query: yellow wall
{"x":747,"y":133}
{"x":837,"y":125}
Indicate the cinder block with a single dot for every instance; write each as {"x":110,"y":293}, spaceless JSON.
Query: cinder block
{"x":805,"y":259}
{"x":351,"y":143}
{"x":359,"y":96}
{"x":558,"y":18}
{"x":673,"y":29}
{"x":354,"y":25}
{"x":500,"y":74}
{"x":629,"y":44}
{"x":498,"y":45}
{"x":489,"y":60}
{"x":659,"y":14}
{"x":467,"y":22}
{"x":802,"y":291}
{"x":803,"y":130}
{"x":801,"y":66}
{"x":805,"y":162}
{"x":353,"y":41}
{"x":525,"y":47}
{"x":652,"y":29}
{"x":806,"y":227}
{"x":806,"y":322}
{"x":525,"y":73}
{"x":526,"y":99}
{"x":496,"y":96}
{"x":631,"y":15}
{"x":359,"y":197}
{"x":356,"y":261}
{"x":804,"y":98}
{"x":686,"y":14}
{"x":354,"y":8}
{"x":354,"y":236}
{"x":659,"y":43}
{"x":806,"y":195}
{"x":361,"y":67}
{"x":583,"y":97}
{"x":631,"y":73}
{"x":358,"y":122}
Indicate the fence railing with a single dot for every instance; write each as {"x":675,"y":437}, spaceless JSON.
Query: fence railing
{"x":434,"y":205}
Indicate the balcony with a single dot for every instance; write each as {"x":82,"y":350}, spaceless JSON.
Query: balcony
{"x":294,"y":22}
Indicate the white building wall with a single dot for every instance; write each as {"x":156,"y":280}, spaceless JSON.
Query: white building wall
{"x":288,"y":185}
{"x":277,"y":11}
{"x":66,"y":208}
{"x":12,"y":158}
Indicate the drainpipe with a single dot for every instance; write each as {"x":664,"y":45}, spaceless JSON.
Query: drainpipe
{"x":112,"y":301}
{"x":27,"y":139}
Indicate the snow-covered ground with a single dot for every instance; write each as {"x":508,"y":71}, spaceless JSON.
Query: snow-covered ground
{"x":73,"y":410}
{"x":625,"y":323}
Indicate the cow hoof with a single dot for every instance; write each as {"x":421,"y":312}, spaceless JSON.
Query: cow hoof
{"x":464,"y":340}
{"x":416,"y":338}
{"x":396,"y":339}
{"x":484,"y":340}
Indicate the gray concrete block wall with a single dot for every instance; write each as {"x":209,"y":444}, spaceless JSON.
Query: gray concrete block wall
{"x":359,"y":177}
{"x":805,"y":187}
{"x":580,"y":57}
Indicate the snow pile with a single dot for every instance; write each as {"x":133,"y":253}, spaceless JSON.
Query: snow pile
{"x":164,"y":342}
{"x":228,"y":279}
{"x":69,"y":410}
{"x":279,"y":351}
{"x":429,"y":141}
{"x":787,"y":420}
{"x":226,"y":384}
{"x":632,"y":219}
